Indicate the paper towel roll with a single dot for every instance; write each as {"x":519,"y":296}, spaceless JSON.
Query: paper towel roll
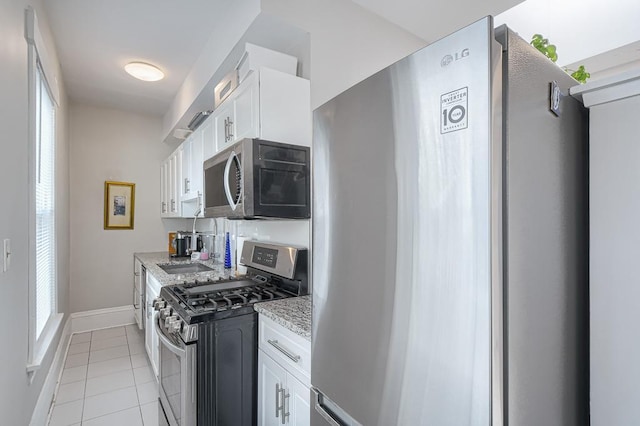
{"x":239,"y":243}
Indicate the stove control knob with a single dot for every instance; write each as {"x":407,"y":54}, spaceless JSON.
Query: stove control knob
{"x":165,"y":312}
{"x":174,"y":326}
{"x":159,"y":303}
{"x":168,"y":320}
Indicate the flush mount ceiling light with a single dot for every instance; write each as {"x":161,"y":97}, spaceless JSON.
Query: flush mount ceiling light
{"x":143,"y":71}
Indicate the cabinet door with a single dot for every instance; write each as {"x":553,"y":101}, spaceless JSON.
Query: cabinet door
{"x":163,"y":189}
{"x":208,"y":138}
{"x":195,"y":163}
{"x":148,"y":322}
{"x":171,"y":184}
{"x":175,"y":183}
{"x":247,"y":111}
{"x":285,"y":114}
{"x":225,"y":124}
{"x":185,"y":182}
{"x":298,"y":403}
{"x":271,"y":376}
{"x":151,"y":341}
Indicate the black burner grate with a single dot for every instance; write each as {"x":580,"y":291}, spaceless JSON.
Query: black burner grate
{"x":217,"y":296}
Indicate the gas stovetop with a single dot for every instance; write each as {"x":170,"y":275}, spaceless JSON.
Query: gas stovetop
{"x":274,"y":272}
{"x":202,"y":298}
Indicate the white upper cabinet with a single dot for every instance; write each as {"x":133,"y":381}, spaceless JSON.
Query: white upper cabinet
{"x":164,"y":190}
{"x":170,"y":184}
{"x":247,"y":109}
{"x":208,"y":139}
{"x":186,"y":168}
{"x":269,"y":105}
{"x":192,"y":158}
{"x":225,"y":118}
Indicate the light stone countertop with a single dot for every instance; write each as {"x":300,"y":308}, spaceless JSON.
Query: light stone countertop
{"x":153,"y":259}
{"x":293,"y":313}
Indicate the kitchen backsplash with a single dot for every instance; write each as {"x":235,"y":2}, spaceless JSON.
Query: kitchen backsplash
{"x":294,"y":232}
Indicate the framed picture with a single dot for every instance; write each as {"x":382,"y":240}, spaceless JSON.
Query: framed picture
{"x":119,"y":205}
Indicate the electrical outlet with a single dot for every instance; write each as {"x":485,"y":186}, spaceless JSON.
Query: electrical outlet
{"x":6,"y":257}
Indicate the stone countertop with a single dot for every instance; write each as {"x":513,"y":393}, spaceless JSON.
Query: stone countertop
{"x":293,"y":313}
{"x":153,"y":259}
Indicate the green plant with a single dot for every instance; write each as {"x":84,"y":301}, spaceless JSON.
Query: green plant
{"x":542,"y":44}
{"x":580,"y":75}
{"x":550,"y":51}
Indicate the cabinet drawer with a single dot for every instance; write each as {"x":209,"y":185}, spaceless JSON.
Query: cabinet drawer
{"x":287,"y":348}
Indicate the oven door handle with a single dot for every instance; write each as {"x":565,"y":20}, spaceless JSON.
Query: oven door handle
{"x":165,"y":341}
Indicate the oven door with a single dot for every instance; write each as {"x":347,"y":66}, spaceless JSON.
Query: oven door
{"x":178,"y":380}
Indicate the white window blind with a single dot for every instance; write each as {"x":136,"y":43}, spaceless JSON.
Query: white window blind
{"x":45,"y":204}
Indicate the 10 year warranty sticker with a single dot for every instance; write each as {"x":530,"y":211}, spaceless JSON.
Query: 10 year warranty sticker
{"x":453,"y":111}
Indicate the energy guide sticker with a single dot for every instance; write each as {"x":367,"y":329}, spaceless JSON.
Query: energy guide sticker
{"x":453,"y":110}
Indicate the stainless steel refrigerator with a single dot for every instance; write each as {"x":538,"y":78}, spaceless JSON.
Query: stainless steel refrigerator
{"x":450,"y":241}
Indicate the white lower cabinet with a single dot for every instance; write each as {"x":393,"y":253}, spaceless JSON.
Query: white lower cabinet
{"x":151,"y":342}
{"x":283,"y":392}
{"x":299,"y":405}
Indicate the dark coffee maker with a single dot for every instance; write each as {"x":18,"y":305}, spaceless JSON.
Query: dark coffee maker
{"x":182,"y":247}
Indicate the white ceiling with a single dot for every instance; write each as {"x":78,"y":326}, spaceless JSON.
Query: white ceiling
{"x":434,"y":19}
{"x":96,"y":38}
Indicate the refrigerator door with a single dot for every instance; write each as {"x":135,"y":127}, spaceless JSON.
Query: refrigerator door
{"x":403,"y":173}
{"x":547,"y":240}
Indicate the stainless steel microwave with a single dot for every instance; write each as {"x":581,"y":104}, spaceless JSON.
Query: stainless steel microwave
{"x":255,"y":178}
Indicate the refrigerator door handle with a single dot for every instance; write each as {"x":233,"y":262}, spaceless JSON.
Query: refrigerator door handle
{"x":320,"y":409}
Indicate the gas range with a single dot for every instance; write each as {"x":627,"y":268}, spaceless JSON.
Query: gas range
{"x":208,"y":335}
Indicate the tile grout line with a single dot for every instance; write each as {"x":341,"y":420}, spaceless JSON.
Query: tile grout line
{"x":86,"y":379}
{"x":134,"y":380}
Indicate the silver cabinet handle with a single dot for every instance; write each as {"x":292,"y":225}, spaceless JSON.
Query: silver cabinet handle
{"x":277,"y":399}
{"x":285,"y":411}
{"x":164,"y":207}
{"x":278,"y":346}
{"x":230,"y":129}
{"x":135,"y":306}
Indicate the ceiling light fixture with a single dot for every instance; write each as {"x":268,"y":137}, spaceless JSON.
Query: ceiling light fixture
{"x":144,"y":71}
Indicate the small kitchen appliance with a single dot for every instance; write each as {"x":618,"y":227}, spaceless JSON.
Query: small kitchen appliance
{"x":208,"y":337}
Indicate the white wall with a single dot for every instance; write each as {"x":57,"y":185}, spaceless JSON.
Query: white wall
{"x":226,"y":30}
{"x":348,"y":43}
{"x":580,"y":29}
{"x":108,"y":144}
{"x":17,"y":397}
{"x":615,"y":250}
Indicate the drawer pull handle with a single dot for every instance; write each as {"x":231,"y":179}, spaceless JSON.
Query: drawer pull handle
{"x":278,"y":346}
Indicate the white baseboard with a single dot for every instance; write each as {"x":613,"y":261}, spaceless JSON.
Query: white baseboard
{"x":101,"y":318}
{"x":41,"y":411}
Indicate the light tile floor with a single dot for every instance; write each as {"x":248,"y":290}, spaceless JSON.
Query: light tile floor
{"x":107,"y":380}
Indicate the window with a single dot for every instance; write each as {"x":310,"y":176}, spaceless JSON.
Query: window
{"x":45,"y":235}
{"x":44,"y":319}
